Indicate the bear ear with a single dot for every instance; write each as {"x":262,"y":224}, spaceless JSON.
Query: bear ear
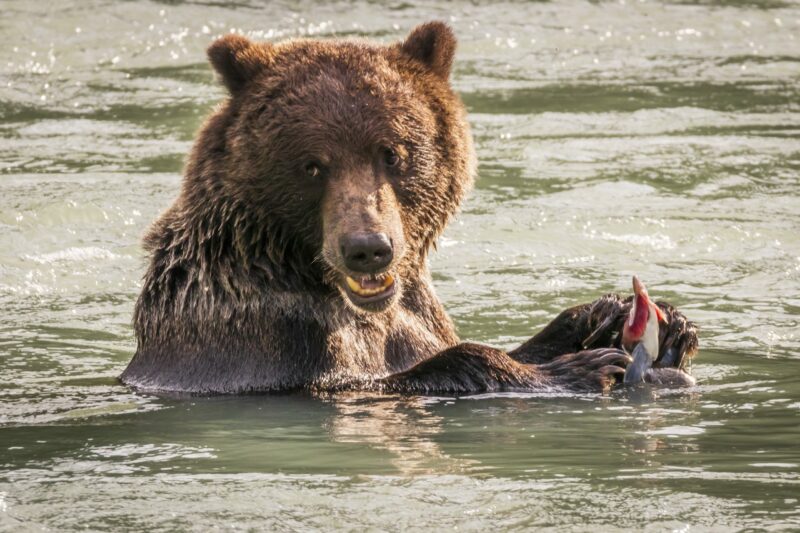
{"x":434,"y":45}
{"x":237,"y":59}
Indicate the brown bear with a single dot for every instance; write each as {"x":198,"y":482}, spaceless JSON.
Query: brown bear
{"x":295,"y":255}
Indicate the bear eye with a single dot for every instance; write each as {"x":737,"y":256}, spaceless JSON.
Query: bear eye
{"x":390,"y":157}
{"x":313,"y":170}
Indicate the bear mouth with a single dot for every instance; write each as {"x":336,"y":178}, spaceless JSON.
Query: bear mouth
{"x":371,"y":292}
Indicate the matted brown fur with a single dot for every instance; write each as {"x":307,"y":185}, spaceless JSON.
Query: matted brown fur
{"x":318,"y":141}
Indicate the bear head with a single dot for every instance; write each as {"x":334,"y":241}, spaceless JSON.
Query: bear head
{"x":348,"y":157}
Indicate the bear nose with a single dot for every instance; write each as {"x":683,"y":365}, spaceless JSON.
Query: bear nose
{"x":366,"y":252}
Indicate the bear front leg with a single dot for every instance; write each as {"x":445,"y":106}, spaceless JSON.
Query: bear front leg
{"x":599,"y":325}
{"x":474,"y":368}
{"x":561,"y":336}
{"x":463,"y":369}
{"x":587,"y":370}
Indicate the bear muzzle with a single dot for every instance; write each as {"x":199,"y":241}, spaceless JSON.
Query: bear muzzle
{"x":366,"y":258}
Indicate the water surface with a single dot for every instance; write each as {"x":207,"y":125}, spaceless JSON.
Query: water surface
{"x":614,"y":138}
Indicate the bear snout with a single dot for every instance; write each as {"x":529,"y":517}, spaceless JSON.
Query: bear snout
{"x":367,"y":257}
{"x":366,"y":253}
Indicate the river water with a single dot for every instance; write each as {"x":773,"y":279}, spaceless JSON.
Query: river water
{"x":614,"y":138}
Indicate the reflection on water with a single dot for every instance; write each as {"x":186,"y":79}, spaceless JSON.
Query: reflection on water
{"x":402,"y":427}
{"x":648,"y":137}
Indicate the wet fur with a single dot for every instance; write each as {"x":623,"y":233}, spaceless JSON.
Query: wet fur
{"x":241,"y":293}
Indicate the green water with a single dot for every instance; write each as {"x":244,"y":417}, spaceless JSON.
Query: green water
{"x":614,"y":137}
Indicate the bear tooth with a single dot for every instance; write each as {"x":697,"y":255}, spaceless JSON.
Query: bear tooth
{"x":353,"y":284}
{"x":356,"y":287}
